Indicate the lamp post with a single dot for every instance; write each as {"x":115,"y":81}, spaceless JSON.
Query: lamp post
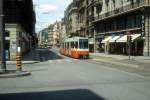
{"x":2,"y":39}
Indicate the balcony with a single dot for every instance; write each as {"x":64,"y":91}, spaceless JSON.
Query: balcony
{"x":123,"y":10}
{"x":93,"y":3}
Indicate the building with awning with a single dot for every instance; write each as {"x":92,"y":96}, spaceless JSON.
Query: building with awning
{"x":119,"y":21}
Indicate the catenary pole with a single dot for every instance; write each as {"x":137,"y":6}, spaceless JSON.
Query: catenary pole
{"x":2,"y":39}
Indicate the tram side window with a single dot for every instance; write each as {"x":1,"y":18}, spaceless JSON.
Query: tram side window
{"x":67,"y":45}
{"x":83,"y":43}
{"x":72,"y":44}
{"x":76,"y":45}
{"x":63,"y":45}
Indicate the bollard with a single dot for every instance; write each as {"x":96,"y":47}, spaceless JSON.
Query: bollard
{"x":18,"y":60}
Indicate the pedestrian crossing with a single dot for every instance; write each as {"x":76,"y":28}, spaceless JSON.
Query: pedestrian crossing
{"x":61,"y":61}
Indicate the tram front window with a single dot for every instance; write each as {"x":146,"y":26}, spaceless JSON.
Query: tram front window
{"x":83,"y":43}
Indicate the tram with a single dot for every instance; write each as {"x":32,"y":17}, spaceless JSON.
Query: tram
{"x":75,"y":47}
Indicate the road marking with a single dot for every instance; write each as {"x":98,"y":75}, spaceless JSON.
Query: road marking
{"x":59,"y":60}
{"x":68,"y":60}
{"x":50,"y":61}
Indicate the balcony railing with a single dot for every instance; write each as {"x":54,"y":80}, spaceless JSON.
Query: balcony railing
{"x":122,"y":10}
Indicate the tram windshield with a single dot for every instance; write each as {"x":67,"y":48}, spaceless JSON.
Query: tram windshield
{"x":83,"y":43}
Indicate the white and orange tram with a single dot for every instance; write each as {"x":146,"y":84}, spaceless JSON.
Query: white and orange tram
{"x":75,"y":47}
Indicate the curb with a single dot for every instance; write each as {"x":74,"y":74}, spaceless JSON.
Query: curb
{"x":23,"y":62}
{"x":14,"y":74}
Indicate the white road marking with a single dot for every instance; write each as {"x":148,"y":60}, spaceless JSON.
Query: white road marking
{"x":68,"y":60}
{"x":50,"y":61}
{"x":59,"y":60}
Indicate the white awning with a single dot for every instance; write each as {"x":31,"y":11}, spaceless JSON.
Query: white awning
{"x":114,"y":39}
{"x":124,"y":38}
{"x":106,"y":39}
{"x":135,"y":36}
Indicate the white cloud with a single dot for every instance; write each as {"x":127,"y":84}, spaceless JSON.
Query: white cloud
{"x":47,"y":8}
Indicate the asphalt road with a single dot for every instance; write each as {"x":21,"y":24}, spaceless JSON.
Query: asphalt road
{"x":61,"y":78}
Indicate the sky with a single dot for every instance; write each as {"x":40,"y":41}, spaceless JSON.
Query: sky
{"x":49,"y":11}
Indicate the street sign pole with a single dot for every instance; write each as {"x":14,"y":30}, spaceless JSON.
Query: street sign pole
{"x":129,"y":40}
{"x":129,"y":48}
{"x":2,"y":39}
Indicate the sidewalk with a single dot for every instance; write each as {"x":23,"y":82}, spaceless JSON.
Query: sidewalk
{"x":136,"y":62}
{"x":29,"y":58}
{"x":142,"y":59}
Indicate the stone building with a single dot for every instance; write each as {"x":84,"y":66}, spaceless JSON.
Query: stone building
{"x":19,"y":19}
{"x":56,"y":33}
{"x":117,"y":20}
{"x":62,"y":31}
{"x":52,"y":35}
{"x":79,"y":18}
{"x":93,"y":8}
{"x":71,"y":19}
{"x":108,"y":23}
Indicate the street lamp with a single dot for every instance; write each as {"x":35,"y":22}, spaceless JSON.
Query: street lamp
{"x":2,"y":39}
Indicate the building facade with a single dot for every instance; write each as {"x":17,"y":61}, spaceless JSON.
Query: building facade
{"x":71,"y":19}
{"x":79,"y":18}
{"x":19,"y":22}
{"x":63,"y":34}
{"x":119,"y":19}
{"x":109,"y":23}
{"x":93,"y":8}
{"x":52,"y":35}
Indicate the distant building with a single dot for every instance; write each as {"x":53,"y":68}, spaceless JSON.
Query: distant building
{"x":43,"y":37}
{"x":63,"y":34}
{"x":19,"y":26}
{"x":53,"y":34}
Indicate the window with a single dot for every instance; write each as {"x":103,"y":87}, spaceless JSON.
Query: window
{"x":72,"y":44}
{"x":83,"y":43}
{"x":76,"y":45}
{"x":67,"y":45}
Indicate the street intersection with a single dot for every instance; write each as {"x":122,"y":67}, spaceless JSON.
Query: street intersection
{"x":57,"y":77}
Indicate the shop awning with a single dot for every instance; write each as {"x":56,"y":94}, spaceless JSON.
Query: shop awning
{"x":124,"y":38}
{"x":135,"y":36}
{"x":114,"y":39}
{"x":106,"y":39}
